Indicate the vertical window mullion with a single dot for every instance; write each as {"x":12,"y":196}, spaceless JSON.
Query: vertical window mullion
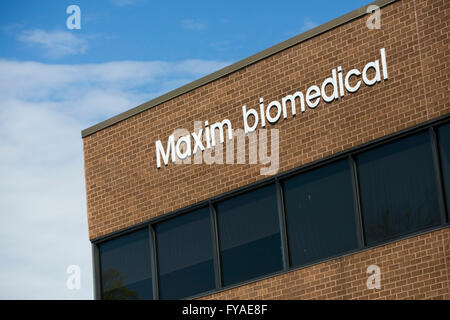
{"x":216,"y":248}
{"x":357,"y":203}
{"x":438,"y":173}
{"x":283,"y":229}
{"x":154,"y":259}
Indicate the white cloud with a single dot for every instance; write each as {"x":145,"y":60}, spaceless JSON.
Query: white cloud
{"x":191,"y":24}
{"x":307,"y":25}
{"x":43,"y":108}
{"x":55,"y":44}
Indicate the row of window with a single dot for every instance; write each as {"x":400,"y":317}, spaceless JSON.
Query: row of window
{"x":376,"y":196}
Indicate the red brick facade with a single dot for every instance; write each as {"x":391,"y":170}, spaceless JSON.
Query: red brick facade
{"x":124,"y":187}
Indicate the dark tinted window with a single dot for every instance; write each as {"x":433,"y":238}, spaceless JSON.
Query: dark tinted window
{"x":398,"y":188}
{"x":249,"y":235}
{"x":185,"y":255}
{"x":320,"y":213}
{"x":444,"y":148}
{"x":126,"y":267}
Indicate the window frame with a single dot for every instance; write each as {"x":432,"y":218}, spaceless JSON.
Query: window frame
{"x":97,"y":265}
{"x":280,"y":232}
{"x":155,"y":245}
{"x":427,"y":132}
{"x":359,"y":230}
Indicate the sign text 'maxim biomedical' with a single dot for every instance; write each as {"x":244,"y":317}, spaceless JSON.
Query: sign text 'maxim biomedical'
{"x":205,"y":138}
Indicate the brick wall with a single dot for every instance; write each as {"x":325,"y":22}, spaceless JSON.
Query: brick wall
{"x":124,"y":187}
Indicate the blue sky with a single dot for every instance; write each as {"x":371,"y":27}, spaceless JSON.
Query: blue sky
{"x":54,"y":82}
{"x":165,"y":30}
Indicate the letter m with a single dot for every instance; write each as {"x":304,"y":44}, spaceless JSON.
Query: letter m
{"x":219,"y":125}
{"x":165,"y":155}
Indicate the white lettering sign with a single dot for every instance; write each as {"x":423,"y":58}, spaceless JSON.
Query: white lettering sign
{"x":332,"y":88}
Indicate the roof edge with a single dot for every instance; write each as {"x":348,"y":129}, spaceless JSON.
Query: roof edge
{"x":235,"y":67}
